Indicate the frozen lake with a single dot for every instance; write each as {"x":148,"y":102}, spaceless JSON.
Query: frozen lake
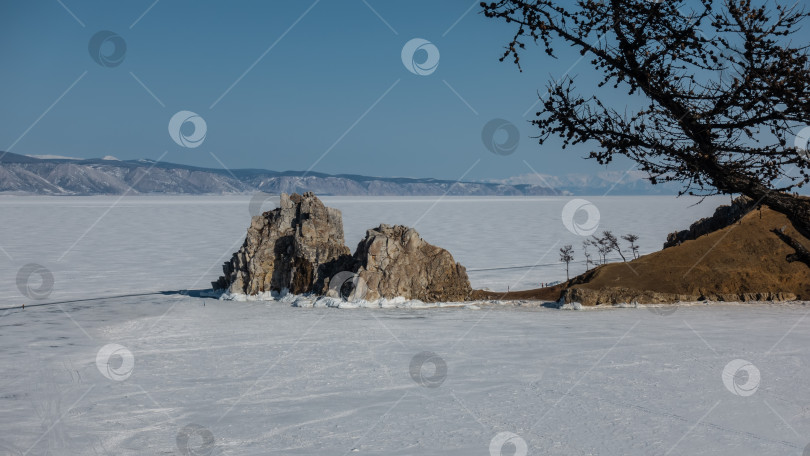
{"x":100,"y":246}
{"x":165,"y":373}
{"x":258,"y":379}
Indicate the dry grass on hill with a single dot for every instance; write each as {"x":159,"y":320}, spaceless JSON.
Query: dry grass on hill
{"x":744,"y":261}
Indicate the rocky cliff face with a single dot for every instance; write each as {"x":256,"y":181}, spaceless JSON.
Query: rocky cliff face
{"x":620,"y":295}
{"x":300,"y":247}
{"x":295,"y":247}
{"x":395,"y":261}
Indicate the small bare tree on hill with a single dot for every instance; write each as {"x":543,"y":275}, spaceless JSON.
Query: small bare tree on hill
{"x":588,"y":259}
{"x":602,"y":247}
{"x":567,"y":256}
{"x":612,"y":241}
{"x":632,"y":238}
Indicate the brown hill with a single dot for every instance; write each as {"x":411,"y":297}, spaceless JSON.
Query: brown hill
{"x":741,"y":262}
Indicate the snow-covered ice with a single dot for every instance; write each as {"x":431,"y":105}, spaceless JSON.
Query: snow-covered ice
{"x":267,"y":378}
{"x":158,"y":371}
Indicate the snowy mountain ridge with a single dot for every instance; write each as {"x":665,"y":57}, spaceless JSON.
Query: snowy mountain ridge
{"x":54,"y":175}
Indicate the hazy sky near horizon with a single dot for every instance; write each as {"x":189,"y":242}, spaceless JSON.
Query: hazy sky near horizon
{"x":298,"y":85}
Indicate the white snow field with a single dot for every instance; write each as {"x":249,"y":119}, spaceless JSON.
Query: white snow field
{"x":116,"y":360}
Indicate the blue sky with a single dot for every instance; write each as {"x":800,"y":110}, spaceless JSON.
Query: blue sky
{"x":330,"y":93}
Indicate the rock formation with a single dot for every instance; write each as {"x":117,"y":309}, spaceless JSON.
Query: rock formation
{"x":297,"y":247}
{"x":395,"y":261}
{"x":300,"y":247}
{"x":723,"y":216}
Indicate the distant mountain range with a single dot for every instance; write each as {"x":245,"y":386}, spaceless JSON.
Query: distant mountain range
{"x":54,"y":175}
{"x":631,"y":182}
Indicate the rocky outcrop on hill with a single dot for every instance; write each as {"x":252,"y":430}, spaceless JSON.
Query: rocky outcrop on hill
{"x":723,"y":216}
{"x":619,"y":295}
{"x":395,"y":261}
{"x":297,"y":247}
{"x":300,"y":247}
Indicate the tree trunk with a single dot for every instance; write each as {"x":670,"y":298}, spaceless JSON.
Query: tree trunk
{"x":795,"y":208}
{"x":802,"y":254}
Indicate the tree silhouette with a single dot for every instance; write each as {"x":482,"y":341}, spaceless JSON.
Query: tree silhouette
{"x":632,"y":238}
{"x":588,"y":261}
{"x":567,"y":256}
{"x":724,"y":90}
{"x":603,"y":247}
{"x":613,"y":242}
